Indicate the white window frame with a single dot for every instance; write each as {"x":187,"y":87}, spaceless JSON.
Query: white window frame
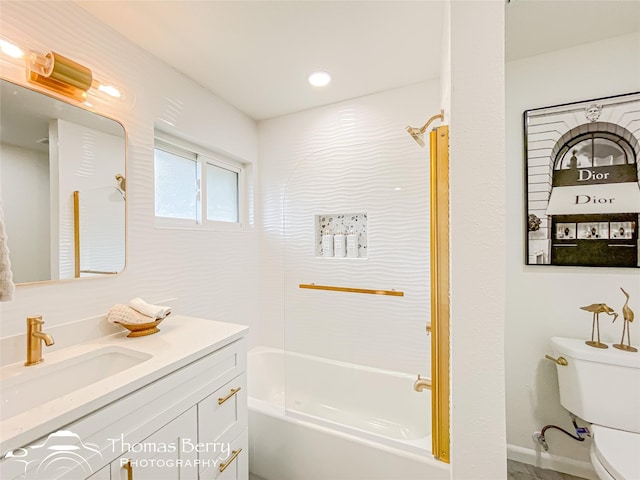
{"x":202,"y":157}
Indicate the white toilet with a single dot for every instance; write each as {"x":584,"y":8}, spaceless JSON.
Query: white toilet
{"x":602,"y":387}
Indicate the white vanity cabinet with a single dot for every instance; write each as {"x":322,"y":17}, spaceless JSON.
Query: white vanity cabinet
{"x":188,"y":423}
{"x":236,"y":466}
{"x":222,"y":432}
{"x":166,"y":454}
{"x":208,"y":441}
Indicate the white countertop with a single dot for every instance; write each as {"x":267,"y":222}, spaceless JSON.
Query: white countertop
{"x":181,"y":340}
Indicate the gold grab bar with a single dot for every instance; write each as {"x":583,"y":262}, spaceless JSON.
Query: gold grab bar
{"x":313,"y":286}
{"x":560,"y":360}
{"x":233,"y":391}
{"x":234,"y":454}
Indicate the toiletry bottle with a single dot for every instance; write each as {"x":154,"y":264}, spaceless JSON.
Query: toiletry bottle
{"x":327,"y":244}
{"x":339,"y":245}
{"x":352,"y":244}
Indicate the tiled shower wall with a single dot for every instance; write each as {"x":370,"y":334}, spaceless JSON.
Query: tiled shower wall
{"x":351,"y":157}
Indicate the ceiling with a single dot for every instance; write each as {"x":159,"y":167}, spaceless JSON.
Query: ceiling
{"x":257,"y":54}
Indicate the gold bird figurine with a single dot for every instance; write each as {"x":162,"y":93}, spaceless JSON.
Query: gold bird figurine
{"x":627,"y":315}
{"x":597,"y":309}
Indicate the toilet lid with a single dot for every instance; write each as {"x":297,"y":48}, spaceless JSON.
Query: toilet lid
{"x":618,"y":451}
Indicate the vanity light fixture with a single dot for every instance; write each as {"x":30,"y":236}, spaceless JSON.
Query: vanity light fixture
{"x":56,"y":72}
{"x":60,"y":74}
{"x":10,"y":49}
{"x":319,"y":79}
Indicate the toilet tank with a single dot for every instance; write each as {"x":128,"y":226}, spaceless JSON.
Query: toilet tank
{"x":601,"y":386}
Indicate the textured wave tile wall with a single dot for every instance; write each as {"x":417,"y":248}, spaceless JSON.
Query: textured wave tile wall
{"x":206,"y":273}
{"x":389,"y":180}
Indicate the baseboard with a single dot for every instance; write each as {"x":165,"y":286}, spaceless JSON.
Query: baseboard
{"x":551,"y":462}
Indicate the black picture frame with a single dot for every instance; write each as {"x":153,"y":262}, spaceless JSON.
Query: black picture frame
{"x":582,"y":171}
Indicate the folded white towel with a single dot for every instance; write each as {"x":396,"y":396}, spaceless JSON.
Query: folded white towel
{"x":124,"y":314}
{"x":153,"y":311}
{"x":7,"y":287}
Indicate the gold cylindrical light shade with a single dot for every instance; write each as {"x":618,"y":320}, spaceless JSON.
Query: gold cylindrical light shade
{"x":66,"y":70}
{"x":61,"y":74}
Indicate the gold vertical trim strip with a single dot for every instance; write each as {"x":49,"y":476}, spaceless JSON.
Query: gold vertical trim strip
{"x":439,"y":249}
{"x":76,"y":233}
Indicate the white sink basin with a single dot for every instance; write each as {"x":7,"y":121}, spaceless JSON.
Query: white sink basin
{"x":23,"y":388}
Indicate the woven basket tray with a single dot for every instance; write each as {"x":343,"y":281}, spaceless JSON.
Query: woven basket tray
{"x":138,"y":324}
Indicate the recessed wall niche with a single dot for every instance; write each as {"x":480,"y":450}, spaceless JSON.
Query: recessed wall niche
{"x":341,"y":223}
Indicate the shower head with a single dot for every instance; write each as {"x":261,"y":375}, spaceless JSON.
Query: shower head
{"x":418,"y":133}
{"x":122,"y":185}
{"x":122,"y":182}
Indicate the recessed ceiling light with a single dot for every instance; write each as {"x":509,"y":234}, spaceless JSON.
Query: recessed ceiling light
{"x":319,"y":79}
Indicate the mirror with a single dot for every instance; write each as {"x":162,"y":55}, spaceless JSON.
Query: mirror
{"x":63,"y":187}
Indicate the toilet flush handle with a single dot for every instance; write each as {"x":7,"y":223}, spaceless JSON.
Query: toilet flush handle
{"x":560,"y":360}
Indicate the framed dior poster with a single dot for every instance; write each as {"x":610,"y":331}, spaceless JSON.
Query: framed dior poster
{"x":583,"y":196}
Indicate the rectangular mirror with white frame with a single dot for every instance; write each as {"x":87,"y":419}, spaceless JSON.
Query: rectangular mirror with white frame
{"x":62,"y":186}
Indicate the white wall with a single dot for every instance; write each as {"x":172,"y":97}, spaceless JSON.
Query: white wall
{"x":26,"y":206}
{"x":544,"y":301}
{"x":349,"y":154}
{"x":211,"y":274}
{"x":477,"y":213}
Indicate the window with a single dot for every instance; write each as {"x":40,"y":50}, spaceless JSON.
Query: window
{"x":195,"y":187}
{"x":222,"y":193}
{"x":599,"y":149}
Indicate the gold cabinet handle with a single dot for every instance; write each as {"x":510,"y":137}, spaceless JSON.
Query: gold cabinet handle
{"x":560,"y":360}
{"x":129,"y":468}
{"x":233,"y":391}
{"x":234,"y":454}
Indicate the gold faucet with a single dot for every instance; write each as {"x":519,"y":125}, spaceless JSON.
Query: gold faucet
{"x":35,"y":337}
{"x":421,"y":383}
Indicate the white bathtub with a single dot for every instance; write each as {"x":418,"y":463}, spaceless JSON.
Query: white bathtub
{"x":342,"y":422}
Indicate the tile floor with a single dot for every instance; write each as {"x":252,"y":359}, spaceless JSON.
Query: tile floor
{"x":520,"y":471}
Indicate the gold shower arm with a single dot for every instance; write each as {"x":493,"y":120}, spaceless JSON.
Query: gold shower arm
{"x":435,"y":117}
{"x":417,"y":133}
